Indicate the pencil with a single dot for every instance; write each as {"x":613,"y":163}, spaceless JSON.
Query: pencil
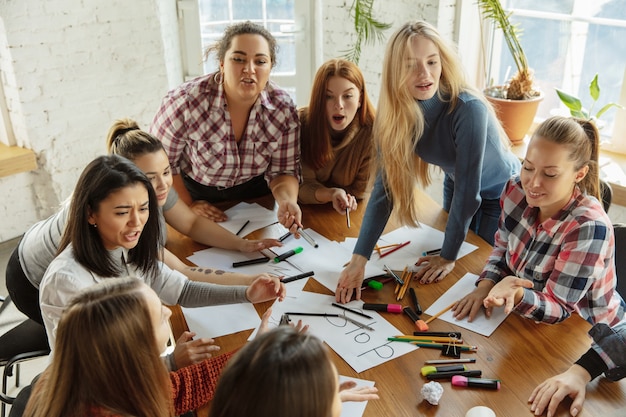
{"x":405,"y":277}
{"x":390,"y":251}
{"x":242,"y":227}
{"x":440,"y":313}
{"x":348,"y":217}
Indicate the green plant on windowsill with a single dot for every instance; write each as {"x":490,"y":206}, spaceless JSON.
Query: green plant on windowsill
{"x":575,"y":105}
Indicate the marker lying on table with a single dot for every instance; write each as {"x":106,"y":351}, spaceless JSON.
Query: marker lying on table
{"x":447,"y":375}
{"x":389,"y":308}
{"x":352,"y":311}
{"x":419,"y":323}
{"x":447,"y":361}
{"x":462,"y":381}
{"x":376,"y":285}
{"x":297,"y":277}
{"x":287,"y":254}
{"x":416,"y":304}
{"x":450,"y":368}
{"x":350,"y":319}
{"x":250,"y":262}
{"x":432,"y":252}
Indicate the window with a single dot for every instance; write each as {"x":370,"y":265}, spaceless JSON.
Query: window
{"x":287,"y":20}
{"x":567,"y":42}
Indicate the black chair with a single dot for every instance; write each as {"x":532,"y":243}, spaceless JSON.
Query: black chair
{"x":26,"y":341}
{"x":606,"y":193}
{"x":620,"y":257}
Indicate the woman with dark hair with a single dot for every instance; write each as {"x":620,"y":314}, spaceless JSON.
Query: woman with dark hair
{"x":336,"y":137}
{"x":234,"y":134}
{"x":113,"y":234}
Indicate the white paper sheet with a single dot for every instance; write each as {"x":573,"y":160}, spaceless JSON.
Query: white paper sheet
{"x":481,"y":324}
{"x":351,"y":408}
{"x":238,"y":215}
{"x":327,"y":260}
{"x":362,"y":349}
{"x":216,"y":321}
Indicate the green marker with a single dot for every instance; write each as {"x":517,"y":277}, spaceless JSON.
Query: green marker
{"x":288,"y":254}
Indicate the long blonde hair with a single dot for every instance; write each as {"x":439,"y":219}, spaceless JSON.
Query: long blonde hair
{"x":399,"y":122}
{"x":105,"y":358}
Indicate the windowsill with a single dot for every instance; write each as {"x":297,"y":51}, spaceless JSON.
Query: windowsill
{"x":14,"y":160}
{"x":612,"y":169}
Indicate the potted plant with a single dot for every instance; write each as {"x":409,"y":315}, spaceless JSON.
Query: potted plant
{"x":517,"y":101}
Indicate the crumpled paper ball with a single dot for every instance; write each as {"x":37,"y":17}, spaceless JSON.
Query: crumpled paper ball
{"x":432,"y":392}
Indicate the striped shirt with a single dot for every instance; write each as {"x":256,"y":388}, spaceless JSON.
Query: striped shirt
{"x":569,"y":258}
{"x":195,"y":127}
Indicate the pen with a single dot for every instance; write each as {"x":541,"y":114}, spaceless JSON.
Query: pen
{"x":250,"y":262}
{"x":308,"y":238}
{"x":242,"y":227}
{"x":390,"y":251}
{"x":432,"y":252}
{"x":348,"y":217}
{"x":297,"y":277}
{"x":416,"y":304}
{"x":287,"y":254}
{"x":352,"y":311}
{"x":283,"y":237}
{"x":351,"y":320}
{"x":397,"y":278}
{"x":448,"y":361}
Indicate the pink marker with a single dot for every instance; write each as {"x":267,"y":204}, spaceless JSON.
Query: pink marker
{"x":463,"y":381}
{"x":389,"y":308}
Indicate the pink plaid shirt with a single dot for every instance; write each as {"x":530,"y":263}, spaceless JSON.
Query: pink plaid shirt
{"x":194,"y":125}
{"x":569,"y":258}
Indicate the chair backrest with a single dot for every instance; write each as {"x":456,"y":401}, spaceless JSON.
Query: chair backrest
{"x":606,"y":192}
{"x":620,"y":257}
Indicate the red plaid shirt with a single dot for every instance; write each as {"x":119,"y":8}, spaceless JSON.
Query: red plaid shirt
{"x":195,"y":127}
{"x":569,"y":258}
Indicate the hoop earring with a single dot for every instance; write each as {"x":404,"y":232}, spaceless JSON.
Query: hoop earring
{"x":218,"y":78}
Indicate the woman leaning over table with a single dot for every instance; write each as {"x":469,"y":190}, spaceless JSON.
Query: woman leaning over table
{"x":554,"y":247}
{"x":232,"y":134}
{"x":428,"y":114}
{"x":115,"y":232}
{"x":336,"y":137}
{"x":106,"y":359}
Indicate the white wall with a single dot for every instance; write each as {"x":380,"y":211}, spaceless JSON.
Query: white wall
{"x":70,"y":67}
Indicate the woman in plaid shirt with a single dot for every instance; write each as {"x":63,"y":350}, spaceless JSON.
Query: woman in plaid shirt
{"x":553,"y":252}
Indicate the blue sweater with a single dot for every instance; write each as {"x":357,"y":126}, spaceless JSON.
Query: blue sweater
{"x":465,"y":144}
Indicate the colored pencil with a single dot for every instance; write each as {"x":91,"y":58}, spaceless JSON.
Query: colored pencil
{"x":390,"y":251}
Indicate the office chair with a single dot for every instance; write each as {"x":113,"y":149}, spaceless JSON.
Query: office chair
{"x":606,"y":193}
{"x":620,"y":257}
{"x":27,"y":340}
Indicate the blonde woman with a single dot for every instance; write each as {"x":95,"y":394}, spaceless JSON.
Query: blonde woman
{"x":428,"y":114}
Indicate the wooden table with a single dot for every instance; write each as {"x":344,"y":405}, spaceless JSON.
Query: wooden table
{"x":521,"y":353}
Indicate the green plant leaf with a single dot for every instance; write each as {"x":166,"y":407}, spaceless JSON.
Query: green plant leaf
{"x":607,"y":107}
{"x":571,"y":102}
{"x":594,"y":88}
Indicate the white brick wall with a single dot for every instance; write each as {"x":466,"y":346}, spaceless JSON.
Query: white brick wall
{"x":71,"y":67}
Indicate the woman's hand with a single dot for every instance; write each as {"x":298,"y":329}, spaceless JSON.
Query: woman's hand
{"x":473,"y":302}
{"x":342,"y":201}
{"x":351,"y":280}
{"x":290,"y":216}
{"x":205,"y":209}
{"x":265,"y":319}
{"x":266,"y":288}
{"x":571,"y":383}
{"x":248,"y":246}
{"x":348,"y":391}
{"x":434,"y":269}
{"x":507,"y":293}
{"x":188,"y":351}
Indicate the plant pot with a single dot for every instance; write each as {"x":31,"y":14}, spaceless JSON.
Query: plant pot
{"x":516,"y":116}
